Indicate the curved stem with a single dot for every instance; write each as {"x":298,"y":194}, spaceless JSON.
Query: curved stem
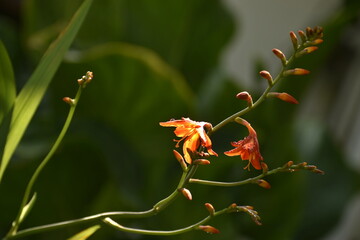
{"x":116,"y":225}
{"x":161,"y":205}
{"x":37,"y":172}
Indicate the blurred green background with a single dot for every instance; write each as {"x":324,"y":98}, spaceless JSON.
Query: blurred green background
{"x":156,"y":60}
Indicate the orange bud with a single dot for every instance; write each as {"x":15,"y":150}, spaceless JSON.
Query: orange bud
{"x":306,"y":51}
{"x":233,"y":206}
{"x":309,"y":32}
{"x":264,"y":167}
{"x":317,"y":41}
{"x":289,"y":163}
{"x":280,"y":55}
{"x":186,"y":193}
{"x":264,"y":184}
{"x":318,"y":171}
{"x":180,"y":159}
{"x":245,"y":96}
{"x":208,"y":229}
{"x":201,"y":162}
{"x":210,"y":208}
{"x":267,"y":76}
{"x":296,"y":71}
{"x":294,"y":40}
{"x":69,"y":101}
{"x":302,"y":36}
{"x":283,"y":96}
{"x":84,"y":80}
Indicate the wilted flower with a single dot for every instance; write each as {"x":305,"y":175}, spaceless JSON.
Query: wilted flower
{"x":248,"y":148}
{"x":194,"y":135}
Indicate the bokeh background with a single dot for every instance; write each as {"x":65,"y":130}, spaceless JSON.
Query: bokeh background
{"x":156,"y":60}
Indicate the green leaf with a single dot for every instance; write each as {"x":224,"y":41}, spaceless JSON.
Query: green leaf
{"x":7,"y":97}
{"x":31,"y":95}
{"x":85,"y":234}
{"x":7,"y":83}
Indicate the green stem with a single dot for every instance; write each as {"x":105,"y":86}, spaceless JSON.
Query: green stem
{"x":238,"y":183}
{"x":161,"y":205}
{"x":116,"y":225}
{"x":37,"y":172}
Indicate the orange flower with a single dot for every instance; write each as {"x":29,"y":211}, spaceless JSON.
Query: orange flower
{"x":248,"y":148}
{"x":194,"y":135}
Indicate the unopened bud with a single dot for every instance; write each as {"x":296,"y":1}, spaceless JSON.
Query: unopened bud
{"x":294,"y":40}
{"x":201,"y":162}
{"x":264,"y":167}
{"x":303,"y":164}
{"x":186,"y":193}
{"x":306,"y":51}
{"x":302,"y":36}
{"x":267,"y":76}
{"x":280,"y":55}
{"x":264,"y":184}
{"x":233,"y":206}
{"x":210,"y":209}
{"x":318,"y":171}
{"x":245,"y":96}
{"x":296,"y":71}
{"x":309,"y":32}
{"x":86,"y":79}
{"x":317,"y":41}
{"x":69,"y":101}
{"x":283,"y":96}
{"x":180,"y":160}
{"x":208,"y":229}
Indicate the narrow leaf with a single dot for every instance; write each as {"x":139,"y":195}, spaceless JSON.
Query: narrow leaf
{"x":7,"y":83}
{"x":7,"y":98}
{"x":31,"y":95}
{"x":85,"y":234}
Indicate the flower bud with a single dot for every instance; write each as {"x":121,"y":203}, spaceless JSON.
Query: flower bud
{"x":317,"y":41}
{"x":86,"y":79}
{"x":180,"y":160}
{"x":186,"y":193}
{"x":210,"y":208}
{"x":245,"y":96}
{"x":296,"y":71}
{"x":283,"y":96}
{"x":201,"y":162}
{"x":208,"y":229}
{"x":264,"y":167}
{"x":289,"y":163}
{"x":264,"y":184}
{"x":302,"y":36}
{"x":267,"y":76}
{"x":294,"y":40}
{"x":306,"y":51}
{"x":280,"y":55}
{"x":69,"y":101}
{"x":318,"y":171}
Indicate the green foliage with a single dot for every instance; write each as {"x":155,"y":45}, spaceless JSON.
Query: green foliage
{"x":32,"y":93}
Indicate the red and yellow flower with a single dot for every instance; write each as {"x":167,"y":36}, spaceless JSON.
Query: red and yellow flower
{"x":193,"y":134}
{"x":248,"y":148}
